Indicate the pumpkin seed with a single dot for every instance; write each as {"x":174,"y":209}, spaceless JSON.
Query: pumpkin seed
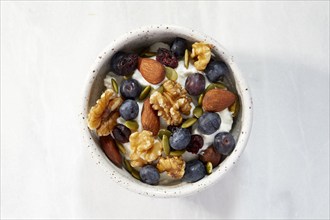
{"x":189,"y":122}
{"x":121,"y":147}
{"x":128,"y":166}
{"x":171,"y":74}
{"x":114,"y":85}
{"x":177,"y":152}
{"x":209,"y":167}
{"x":198,"y":111}
{"x":234,"y":108}
{"x":160,"y":89}
{"x":135,"y":174}
{"x":215,"y":85}
{"x":220,"y":85}
{"x":186,"y":58}
{"x":145,"y":92}
{"x":166,"y":145}
{"x":128,"y":76}
{"x":133,"y":125}
{"x":148,"y":54}
{"x":200,"y":99}
{"x":164,"y":132}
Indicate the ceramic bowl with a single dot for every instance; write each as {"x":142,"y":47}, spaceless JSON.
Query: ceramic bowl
{"x":140,"y":38}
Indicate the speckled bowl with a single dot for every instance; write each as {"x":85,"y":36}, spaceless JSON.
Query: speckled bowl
{"x":140,"y":38}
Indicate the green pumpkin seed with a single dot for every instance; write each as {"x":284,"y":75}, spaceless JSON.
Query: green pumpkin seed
{"x":148,"y":54}
{"x":171,"y":74}
{"x":177,"y":152}
{"x":128,"y":76}
{"x":186,"y":58}
{"x":135,"y":174}
{"x":166,"y":145}
{"x":220,"y":85}
{"x":200,"y":99}
{"x":164,"y":132}
{"x":234,"y":108}
{"x":114,"y":85}
{"x":209,"y":167}
{"x":128,"y":166}
{"x":133,"y":125}
{"x":160,"y":89}
{"x":198,"y":111}
{"x":215,"y":85}
{"x":121,"y":148}
{"x":189,"y":122}
{"x":145,"y":92}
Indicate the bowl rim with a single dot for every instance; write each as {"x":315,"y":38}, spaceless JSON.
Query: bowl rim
{"x":181,"y":189}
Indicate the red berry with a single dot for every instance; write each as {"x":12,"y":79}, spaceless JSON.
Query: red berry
{"x":166,"y":57}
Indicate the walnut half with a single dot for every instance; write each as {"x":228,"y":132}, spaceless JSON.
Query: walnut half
{"x":174,"y":166}
{"x":103,"y":115}
{"x":171,"y":103}
{"x":144,"y":148}
{"x":202,"y":51}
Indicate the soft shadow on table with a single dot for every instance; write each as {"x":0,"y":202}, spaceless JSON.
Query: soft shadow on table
{"x":221,"y":197}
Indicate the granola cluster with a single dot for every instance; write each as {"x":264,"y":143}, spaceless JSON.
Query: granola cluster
{"x":171,"y":102}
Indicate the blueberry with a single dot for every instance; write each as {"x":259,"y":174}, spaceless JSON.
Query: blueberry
{"x":216,"y":70}
{"x":149,"y":175}
{"x":195,"y":84}
{"x":224,"y":143}
{"x":165,"y":57}
{"x":129,"y":109}
{"x":178,"y":47}
{"x":121,"y":133}
{"x":196,"y":143}
{"x":130,"y":89}
{"x":180,"y":138}
{"x":124,"y":63}
{"x":172,"y":128}
{"x":194,"y":171}
{"x":209,"y":123}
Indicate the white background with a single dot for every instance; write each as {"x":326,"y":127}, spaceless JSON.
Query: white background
{"x":47,"y":50}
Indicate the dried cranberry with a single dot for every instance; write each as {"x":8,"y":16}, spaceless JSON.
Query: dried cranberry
{"x":196,"y":143}
{"x":166,"y":57}
{"x":121,"y":133}
{"x":124,"y":63}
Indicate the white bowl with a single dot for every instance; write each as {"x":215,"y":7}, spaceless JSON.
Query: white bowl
{"x":139,"y":38}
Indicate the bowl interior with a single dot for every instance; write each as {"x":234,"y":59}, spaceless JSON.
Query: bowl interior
{"x":136,"y":41}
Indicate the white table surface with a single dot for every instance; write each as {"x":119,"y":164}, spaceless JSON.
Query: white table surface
{"x":46,"y":52}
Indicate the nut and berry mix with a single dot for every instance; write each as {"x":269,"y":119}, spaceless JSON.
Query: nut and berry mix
{"x":166,"y":113}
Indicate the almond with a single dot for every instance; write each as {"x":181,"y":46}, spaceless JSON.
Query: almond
{"x":149,"y":118}
{"x":210,"y":155}
{"x":151,"y":70}
{"x":216,"y":100}
{"x":111,"y":150}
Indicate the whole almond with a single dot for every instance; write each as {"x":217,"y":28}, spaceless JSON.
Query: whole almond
{"x":151,"y":70}
{"x":149,"y":118}
{"x":216,"y":100}
{"x":210,"y":155}
{"x":111,"y":150}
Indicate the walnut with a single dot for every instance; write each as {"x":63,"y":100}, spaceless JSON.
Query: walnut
{"x":103,"y":115}
{"x":144,"y":148}
{"x":202,"y":51}
{"x":174,"y":166}
{"x":171,"y":103}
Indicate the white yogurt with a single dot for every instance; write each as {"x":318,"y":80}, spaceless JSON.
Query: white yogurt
{"x":183,"y":73}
